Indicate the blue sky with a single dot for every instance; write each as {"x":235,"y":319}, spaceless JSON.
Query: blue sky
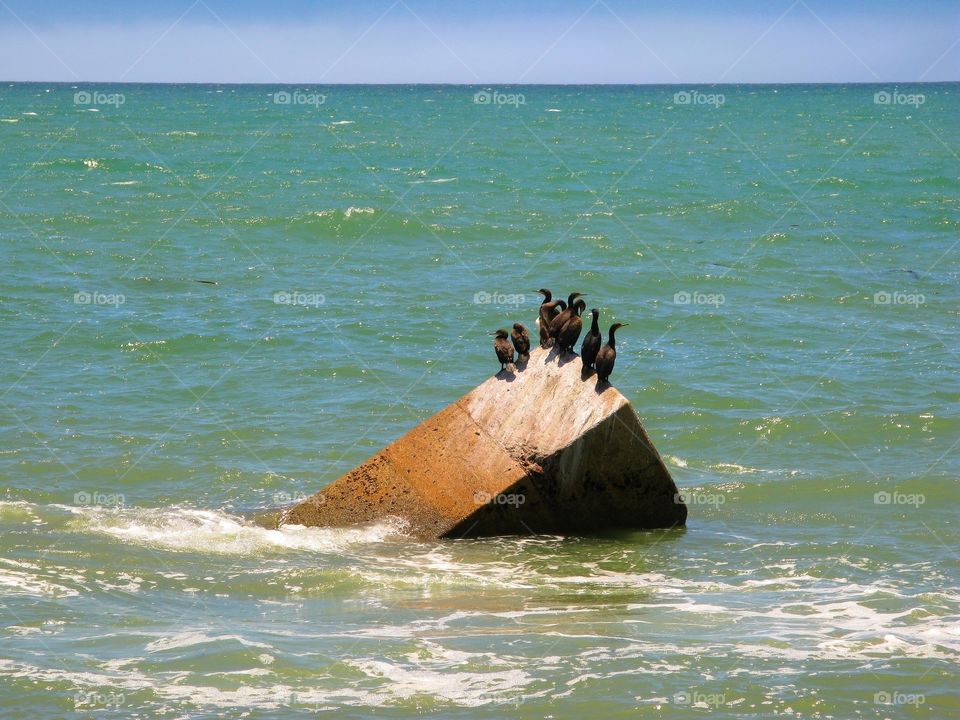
{"x":479,"y":42}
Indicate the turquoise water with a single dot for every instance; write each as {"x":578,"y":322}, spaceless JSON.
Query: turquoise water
{"x":786,"y":258}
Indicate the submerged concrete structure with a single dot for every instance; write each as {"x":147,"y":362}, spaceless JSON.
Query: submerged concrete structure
{"x":542,"y":450}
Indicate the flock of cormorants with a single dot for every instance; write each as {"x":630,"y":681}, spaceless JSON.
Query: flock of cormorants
{"x":560,"y":325}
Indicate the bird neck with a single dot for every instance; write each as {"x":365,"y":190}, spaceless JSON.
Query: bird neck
{"x":595,"y":326}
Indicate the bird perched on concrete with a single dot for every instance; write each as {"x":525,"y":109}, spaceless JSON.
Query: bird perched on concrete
{"x":521,"y":341}
{"x":570,"y":332}
{"x":548,"y":311}
{"x":504,"y":350}
{"x":591,"y":343}
{"x":542,"y":324}
{"x":608,"y":355}
{"x":561,"y":318}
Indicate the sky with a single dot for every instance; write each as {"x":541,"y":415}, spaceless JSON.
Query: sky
{"x":479,"y":41}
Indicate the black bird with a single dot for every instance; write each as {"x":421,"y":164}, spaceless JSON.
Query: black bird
{"x":591,"y":343}
{"x":545,"y":316}
{"x":504,"y":349}
{"x":521,"y":341}
{"x":548,"y":311}
{"x":608,"y":355}
{"x":571,"y":330}
{"x":561,"y":319}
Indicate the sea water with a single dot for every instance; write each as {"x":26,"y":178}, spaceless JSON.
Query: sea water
{"x":215,"y":300}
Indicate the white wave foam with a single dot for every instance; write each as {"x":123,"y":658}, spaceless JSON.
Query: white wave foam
{"x":357,"y":211}
{"x":218,"y":532}
{"x":674,"y":460}
{"x":435,"y":181}
{"x":193,"y":638}
{"x":17,"y":508}
{"x":15,"y":582}
{"x":451,"y":675}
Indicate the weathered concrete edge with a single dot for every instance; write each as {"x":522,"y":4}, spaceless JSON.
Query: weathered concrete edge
{"x":541,"y":517}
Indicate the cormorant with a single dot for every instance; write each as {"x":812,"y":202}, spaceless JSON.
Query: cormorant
{"x":504,"y":350}
{"x":561,"y":319}
{"x":547,"y":314}
{"x":572,"y":328}
{"x":591,"y":343}
{"x":521,"y":341}
{"x":608,"y":355}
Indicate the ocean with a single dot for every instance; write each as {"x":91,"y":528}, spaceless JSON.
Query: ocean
{"x":215,"y":300}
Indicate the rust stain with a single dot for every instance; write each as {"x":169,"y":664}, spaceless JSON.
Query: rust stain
{"x":544,"y":450}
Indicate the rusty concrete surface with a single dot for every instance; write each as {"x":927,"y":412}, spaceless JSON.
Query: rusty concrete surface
{"x":539,"y":451}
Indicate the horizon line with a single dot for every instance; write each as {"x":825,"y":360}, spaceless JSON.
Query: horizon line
{"x":74,"y":83}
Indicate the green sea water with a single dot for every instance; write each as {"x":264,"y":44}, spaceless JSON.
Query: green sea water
{"x":786,"y":258}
